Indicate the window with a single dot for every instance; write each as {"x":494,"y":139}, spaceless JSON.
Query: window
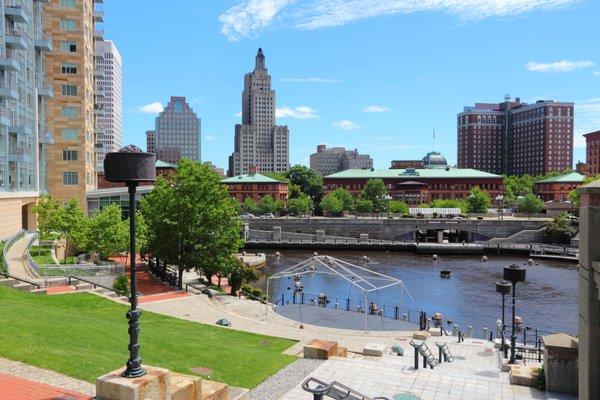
{"x":68,"y":24}
{"x":67,"y":3}
{"x":178,"y":107}
{"x":69,"y":155}
{"x":69,"y":90}
{"x":69,"y":134}
{"x":70,"y":178}
{"x":68,"y":47}
{"x":67,"y":68}
{"x":69,"y":112}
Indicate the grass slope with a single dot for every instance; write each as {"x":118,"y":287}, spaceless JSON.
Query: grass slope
{"x":42,"y":256}
{"x":85,"y":336}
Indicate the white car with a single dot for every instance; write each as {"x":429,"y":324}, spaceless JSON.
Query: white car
{"x":247,"y":216}
{"x":268,"y":216}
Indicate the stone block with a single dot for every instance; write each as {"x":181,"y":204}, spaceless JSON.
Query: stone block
{"x":185,"y":387}
{"x":374,"y":349}
{"x":320,"y":349}
{"x":342,"y":352}
{"x":214,"y":390}
{"x":420,"y":335}
{"x":154,"y":385}
{"x":435,"y":331}
{"x":523,"y":375}
{"x":364,"y":238}
{"x":319,"y":235}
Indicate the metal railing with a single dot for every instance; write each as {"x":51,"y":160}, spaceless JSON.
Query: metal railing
{"x":164,"y":273}
{"x":8,"y":244}
{"x":37,"y":285}
{"x":334,"y":390}
{"x":94,"y":284}
{"x":83,"y":269}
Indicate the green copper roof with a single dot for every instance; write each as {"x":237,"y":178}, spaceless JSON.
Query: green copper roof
{"x":250,"y":178}
{"x":414,"y":174}
{"x":163,"y":164}
{"x":572,"y":177}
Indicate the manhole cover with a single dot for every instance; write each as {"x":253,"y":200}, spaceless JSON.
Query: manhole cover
{"x":202,"y":371}
{"x":406,"y":396}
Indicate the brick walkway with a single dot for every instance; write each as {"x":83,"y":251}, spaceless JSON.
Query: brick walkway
{"x":15,"y":388}
{"x":60,"y":289}
{"x":162,"y":296}
{"x":147,"y":284}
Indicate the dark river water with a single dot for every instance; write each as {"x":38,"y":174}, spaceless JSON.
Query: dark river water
{"x":547,"y":301}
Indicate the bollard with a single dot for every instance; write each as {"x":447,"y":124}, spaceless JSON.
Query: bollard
{"x":404,"y":317}
{"x":282,"y":298}
{"x":440,"y":355}
{"x":485,"y":331}
{"x":491,"y":336}
{"x":416,"y":358}
{"x":454,"y":330}
{"x":470,"y":331}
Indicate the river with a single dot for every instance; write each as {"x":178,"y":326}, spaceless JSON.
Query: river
{"x":547,"y":301}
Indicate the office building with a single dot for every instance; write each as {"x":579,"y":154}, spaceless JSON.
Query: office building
{"x":107,"y":72}
{"x":592,"y":153}
{"x":24,"y":94}
{"x":516,"y":138}
{"x":557,"y":189}
{"x":74,"y":108}
{"x":176,"y":134}
{"x":258,"y":140}
{"x":255,"y":186}
{"x":335,"y":159}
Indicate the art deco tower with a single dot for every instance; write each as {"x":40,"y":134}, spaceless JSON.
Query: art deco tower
{"x":258,"y":141}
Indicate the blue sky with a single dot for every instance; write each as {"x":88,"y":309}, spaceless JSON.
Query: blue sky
{"x":377,"y":75}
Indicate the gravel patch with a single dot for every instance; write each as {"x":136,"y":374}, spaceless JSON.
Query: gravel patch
{"x":285,"y":380}
{"x":52,"y":378}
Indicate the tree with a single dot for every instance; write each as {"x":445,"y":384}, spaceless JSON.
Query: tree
{"x":269,"y":205}
{"x":250,"y":206}
{"x":46,"y":210}
{"x":121,"y":285}
{"x":309,"y":181}
{"x":300,"y":205}
{"x":515,"y":186}
{"x":364,"y":206}
{"x":478,"y":201}
{"x":450,"y":203}
{"x":192,"y":221}
{"x":346,"y":199}
{"x":559,"y":230}
{"x":530,"y":204}
{"x":240,"y":275}
{"x":574,"y":194}
{"x":375,"y":192}
{"x":398,"y":207}
{"x":332,"y":204}
{"x":107,"y":233}
{"x":277,"y":176}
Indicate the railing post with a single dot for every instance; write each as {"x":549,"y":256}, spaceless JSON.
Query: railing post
{"x":396,"y":312}
{"x":416,"y":358}
{"x":348,"y":304}
{"x":539,"y":346}
{"x":440,"y":354}
{"x":282,"y":299}
{"x":302,"y":298}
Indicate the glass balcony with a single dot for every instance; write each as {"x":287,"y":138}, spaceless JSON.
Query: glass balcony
{"x":20,"y":129}
{"x":14,"y":40}
{"x":98,"y":14}
{"x":46,"y":91}
{"x":9,"y":63}
{"x":16,"y":14}
{"x":47,"y":138}
{"x":43,"y":44}
{"x":99,"y":34}
{"x":8,"y":93}
{"x":17,"y":154}
{"x":4,"y":117}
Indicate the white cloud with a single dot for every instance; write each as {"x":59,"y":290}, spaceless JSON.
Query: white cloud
{"x":558,"y":66}
{"x":587,"y":119}
{"x":210,"y":137}
{"x":311,"y":80}
{"x":238,"y":114}
{"x":152,"y":108}
{"x":299,"y":112}
{"x":596,"y":73}
{"x":346,"y":124}
{"x":375,"y":109}
{"x":249,"y":17}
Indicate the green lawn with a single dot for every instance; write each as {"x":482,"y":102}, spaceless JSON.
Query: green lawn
{"x":85,"y":336}
{"x":42,"y":256}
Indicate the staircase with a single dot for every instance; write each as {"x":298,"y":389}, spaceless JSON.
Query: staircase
{"x":22,"y":285}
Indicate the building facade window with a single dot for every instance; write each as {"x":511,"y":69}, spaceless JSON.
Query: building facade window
{"x":68,"y":68}
{"x":68,"y":47}
{"x":69,"y":112}
{"x":68,"y":24}
{"x":70,"y":178}
{"x":69,"y":90}
{"x":67,"y":3}
{"x":69,"y":134}
{"x":69,"y":155}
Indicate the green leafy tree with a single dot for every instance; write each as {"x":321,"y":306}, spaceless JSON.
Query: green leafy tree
{"x":250,"y":206}
{"x":478,"y":201}
{"x":307,"y":180}
{"x":574,"y":194}
{"x":530,"y":204}
{"x":559,"y":230}
{"x":121,"y":285}
{"x":269,"y":205}
{"x":332,"y":204}
{"x":107,"y":233}
{"x":346,"y":199}
{"x":364,"y":206}
{"x":277,"y":176}
{"x":192,"y":221}
{"x":450,"y":203}
{"x":375,"y":192}
{"x":240,"y":275}
{"x":398,"y":207}
{"x":300,"y":205}
{"x":294,"y":191}
{"x":46,"y":210}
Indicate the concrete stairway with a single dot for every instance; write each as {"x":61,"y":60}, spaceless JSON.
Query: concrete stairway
{"x":23,"y":286}
{"x":185,"y":387}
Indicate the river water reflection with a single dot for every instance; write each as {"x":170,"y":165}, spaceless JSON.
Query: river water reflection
{"x":548,"y":300}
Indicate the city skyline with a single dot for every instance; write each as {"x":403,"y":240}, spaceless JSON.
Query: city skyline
{"x":350,"y":84}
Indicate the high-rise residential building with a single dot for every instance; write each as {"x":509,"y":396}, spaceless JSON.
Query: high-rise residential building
{"x":107,"y":71}
{"x":151,"y":142}
{"x":176,"y":134}
{"x":592,"y":153}
{"x":516,"y":138}
{"x":258,"y":140}
{"x":335,"y":159}
{"x":24,"y":93}
{"x":73,"y":110}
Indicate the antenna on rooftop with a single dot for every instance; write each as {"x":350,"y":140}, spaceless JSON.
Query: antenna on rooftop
{"x":433,"y":146}
{"x":507,"y":97}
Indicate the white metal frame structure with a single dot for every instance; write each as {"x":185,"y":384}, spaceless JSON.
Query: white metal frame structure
{"x":365,"y":280}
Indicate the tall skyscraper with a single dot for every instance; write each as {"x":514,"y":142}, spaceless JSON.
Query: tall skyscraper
{"x":516,"y":138}
{"x":72,"y":112}
{"x":107,"y":71}
{"x":258,"y":141}
{"x":176,"y":134}
{"x":24,"y":92}
{"x":335,"y":159}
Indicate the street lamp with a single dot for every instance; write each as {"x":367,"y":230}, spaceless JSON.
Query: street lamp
{"x":388,"y":198}
{"x":503,"y":287}
{"x":500,"y":200}
{"x":514,"y":274}
{"x":131,"y":165}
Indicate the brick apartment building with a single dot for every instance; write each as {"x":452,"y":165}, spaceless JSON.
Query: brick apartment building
{"x":558,"y":188}
{"x":592,"y":153}
{"x":255,"y":186}
{"x":516,"y":138}
{"x":328,"y":161}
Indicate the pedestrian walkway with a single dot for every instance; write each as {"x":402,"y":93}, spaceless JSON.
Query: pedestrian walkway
{"x":146,"y":283}
{"x":16,"y":256}
{"x":162,"y":296}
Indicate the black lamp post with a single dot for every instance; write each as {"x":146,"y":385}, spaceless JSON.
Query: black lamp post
{"x":514,"y":274}
{"x":503,"y":287}
{"x":131,"y":165}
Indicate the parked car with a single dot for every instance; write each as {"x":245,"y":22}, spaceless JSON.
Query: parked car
{"x":268,"y":216}
{"x":247,"y":216}
{"x":458,"y":217}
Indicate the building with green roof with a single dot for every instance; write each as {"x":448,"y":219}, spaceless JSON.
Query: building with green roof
{"x":557,"y":188}
{"x":255,"y":186}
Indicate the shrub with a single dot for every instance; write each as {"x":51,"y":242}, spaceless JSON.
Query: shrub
{"x":540,"y":379}
{"x":254,"y":293}
{"x":121,"y":285}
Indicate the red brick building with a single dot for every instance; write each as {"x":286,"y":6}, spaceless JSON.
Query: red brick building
{"x":516,"y":138}
{"x":558,"y":188}
{"x":162,"y":169}
{"x":592,"y":154}
{"x":403,"y":164}
{"x":416,"y":186}
{"x":255,"y":186}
